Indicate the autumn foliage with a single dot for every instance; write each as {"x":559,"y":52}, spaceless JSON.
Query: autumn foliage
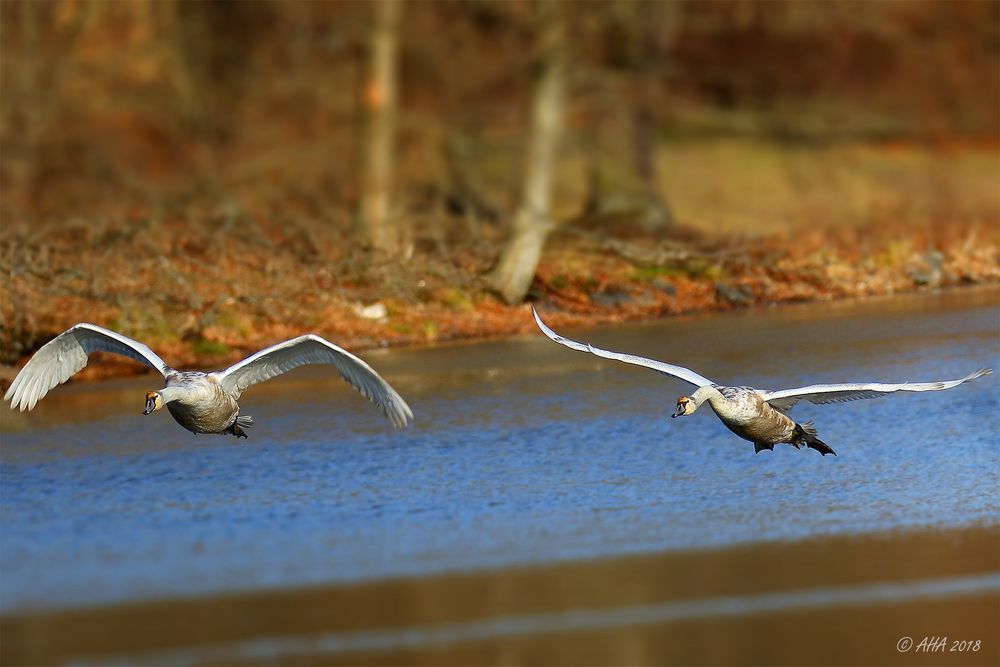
{"x":190,"y":172}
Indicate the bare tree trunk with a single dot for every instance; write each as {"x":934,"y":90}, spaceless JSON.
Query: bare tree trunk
{"x":532,"y":224}
{"x":380,"y":101}
{"x":657,"y":25}
{"x":625,"y":195}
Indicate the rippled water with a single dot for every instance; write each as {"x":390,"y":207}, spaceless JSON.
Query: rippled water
{"x":522,"y":452}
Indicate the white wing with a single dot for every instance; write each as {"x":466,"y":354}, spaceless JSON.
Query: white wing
{"x":783,"y":399}
{"x":667,"y":369}
{"x":63,"y":356}
{"x":311,"y":349}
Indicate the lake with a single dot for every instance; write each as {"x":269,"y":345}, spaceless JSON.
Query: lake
{"x":541,"y":495}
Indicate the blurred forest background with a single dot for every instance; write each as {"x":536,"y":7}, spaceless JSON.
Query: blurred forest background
{"x":213,"y":175}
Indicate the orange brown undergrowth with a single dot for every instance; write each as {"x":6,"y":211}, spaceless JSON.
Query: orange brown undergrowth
{"x":201,"y":307}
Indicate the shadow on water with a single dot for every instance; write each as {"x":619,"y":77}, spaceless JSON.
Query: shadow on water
{"x":543,"y":508}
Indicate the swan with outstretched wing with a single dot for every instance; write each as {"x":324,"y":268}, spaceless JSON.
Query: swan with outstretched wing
{"x":754,"y":414}
{"x":200,"y":402}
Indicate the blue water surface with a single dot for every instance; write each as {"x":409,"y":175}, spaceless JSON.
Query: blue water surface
{"x":523,"y":452}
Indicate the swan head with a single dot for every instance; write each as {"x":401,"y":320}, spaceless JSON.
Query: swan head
{"x":685,"y":406}
{"x":153,"y":402}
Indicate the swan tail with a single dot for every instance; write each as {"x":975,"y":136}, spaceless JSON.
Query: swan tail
{"x":805,"y":434}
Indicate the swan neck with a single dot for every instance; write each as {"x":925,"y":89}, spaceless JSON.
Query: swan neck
{"x":707,"y":393}
{"x":171,"y":394}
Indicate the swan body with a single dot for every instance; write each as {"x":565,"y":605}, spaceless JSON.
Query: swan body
{"x":754,"y":414}
{"x":745,"y":412}
{"x":200,"y":402}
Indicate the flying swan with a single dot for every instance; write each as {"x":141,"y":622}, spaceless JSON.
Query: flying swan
{"x":200,"y":402}
{"x":758,"y":415}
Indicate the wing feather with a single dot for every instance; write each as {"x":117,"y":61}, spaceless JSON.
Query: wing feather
{"x":784,"y":399}
{"x":65,"y":355}
{"x":659,"y":366}
{"x":312,"y":349}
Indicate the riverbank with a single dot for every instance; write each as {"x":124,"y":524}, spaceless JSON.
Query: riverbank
{"x":206,"y":280}
{"x":165,"y":285}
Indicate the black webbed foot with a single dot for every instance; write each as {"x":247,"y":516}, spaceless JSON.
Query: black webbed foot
{"x":805,"y":434}
{"x":821,"y":447}
{"x":237,"y":431}
{"x":758,"y":447}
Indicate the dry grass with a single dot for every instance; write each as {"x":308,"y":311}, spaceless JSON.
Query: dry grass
{"x":761,"y":224}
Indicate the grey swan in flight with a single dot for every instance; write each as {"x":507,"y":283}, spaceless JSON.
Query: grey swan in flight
{"x":200,"y":402}
{"x":759,"y":415}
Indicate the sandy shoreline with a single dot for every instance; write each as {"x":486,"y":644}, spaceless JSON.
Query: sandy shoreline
{"x":221,"y":628}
